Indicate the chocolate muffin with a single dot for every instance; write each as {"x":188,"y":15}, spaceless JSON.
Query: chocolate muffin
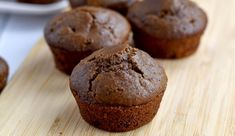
{"x":118,"y":5}
{"x":3,"y":73}
{"x":38,"y":1}
{"x":118,"y":88}
{"x":167,"y":28}
{"x":74,"y":35}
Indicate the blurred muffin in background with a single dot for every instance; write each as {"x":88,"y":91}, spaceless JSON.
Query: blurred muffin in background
{"x":3,"y":73}
{"x":75,"y":34}
{"x":118,"y":5}
{"x":38,"y":1}
{"x":167,"y":28}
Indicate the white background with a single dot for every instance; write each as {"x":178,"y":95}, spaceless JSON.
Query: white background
{"x":18,"y":34}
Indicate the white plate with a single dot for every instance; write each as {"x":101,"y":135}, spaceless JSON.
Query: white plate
{"x":32,"y":9}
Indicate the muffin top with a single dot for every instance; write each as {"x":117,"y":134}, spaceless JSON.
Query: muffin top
{"x":87,"y":28}
{"x":121,"y":75}
{"x":3,"y":72}
{"x":168,"y":18}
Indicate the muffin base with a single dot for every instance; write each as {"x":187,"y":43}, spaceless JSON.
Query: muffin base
{"x":65,"y":61}
{"x":166,"y":48}
{"x":118,"y":118}
{"x":37,"y":1}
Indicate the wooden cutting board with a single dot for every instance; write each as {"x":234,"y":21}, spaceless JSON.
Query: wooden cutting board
{"x":199,"y":100}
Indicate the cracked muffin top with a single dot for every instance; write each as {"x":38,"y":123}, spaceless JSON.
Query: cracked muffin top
{"x":120,"y":75}
{"x":168,"y":18}
{"x":87,"y":28}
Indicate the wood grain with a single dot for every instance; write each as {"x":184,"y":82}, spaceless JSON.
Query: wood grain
{"x":199,"y":100}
